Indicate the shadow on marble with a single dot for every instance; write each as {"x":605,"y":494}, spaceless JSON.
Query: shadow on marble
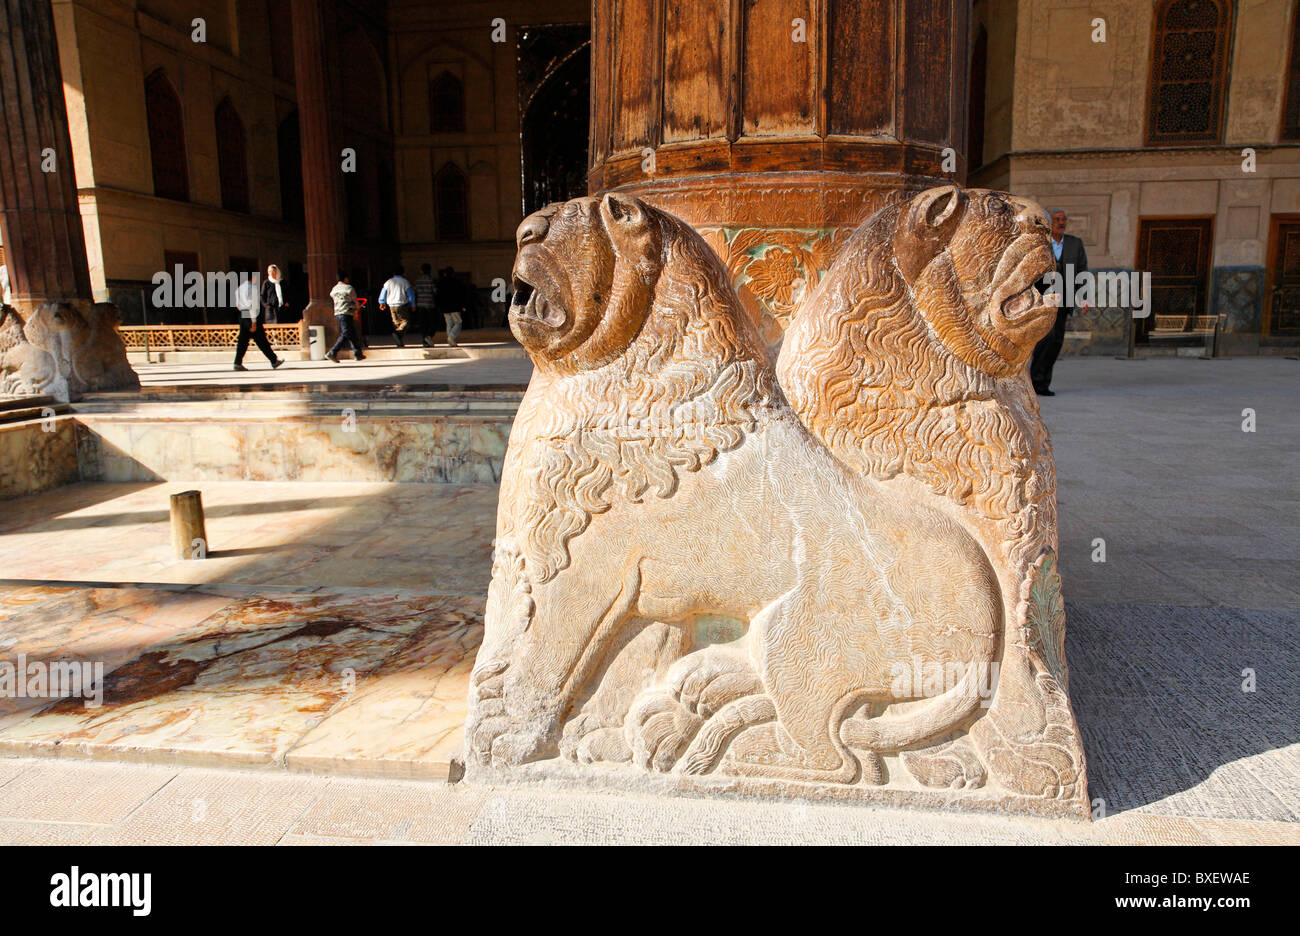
{"x":360,"y":534}
{"x":206,"y":678}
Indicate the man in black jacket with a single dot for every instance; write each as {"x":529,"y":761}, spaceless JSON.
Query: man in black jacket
{"x":453,"y":303}
{"x":1071,"y":260}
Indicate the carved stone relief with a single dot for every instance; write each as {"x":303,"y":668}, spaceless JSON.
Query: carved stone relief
{"x":64,"y":349}
{"x":831,"y":578}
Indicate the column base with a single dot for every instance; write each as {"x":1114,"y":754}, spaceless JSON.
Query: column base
{"x":319,"y":313}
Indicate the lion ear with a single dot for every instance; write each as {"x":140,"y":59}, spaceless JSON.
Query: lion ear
{"x":623,"y":210}
{"x":925,"y":228}
{"x":627,"y":219}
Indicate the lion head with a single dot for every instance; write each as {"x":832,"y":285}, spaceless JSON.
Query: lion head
{"x":909,"y":358}
{"x":972,"y":259}
{"x":647,"y":365}
{"x":584,"y":278}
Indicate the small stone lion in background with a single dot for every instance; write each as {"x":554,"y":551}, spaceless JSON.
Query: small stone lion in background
{"x":64,"y":349}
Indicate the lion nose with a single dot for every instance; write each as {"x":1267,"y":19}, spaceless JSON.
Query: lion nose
{"x":1031,"y":216}
{"x":533,"y":228}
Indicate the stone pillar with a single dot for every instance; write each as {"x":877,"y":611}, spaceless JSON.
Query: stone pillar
{"x":776,"y":126}
{"x":56,"y":340}
{"x":322,"y":195}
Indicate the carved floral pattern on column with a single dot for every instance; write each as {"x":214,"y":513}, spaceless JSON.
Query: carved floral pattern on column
{"x":775,"y":269}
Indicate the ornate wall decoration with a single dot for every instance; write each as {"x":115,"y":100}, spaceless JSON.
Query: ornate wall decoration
{"x":830,"y":578}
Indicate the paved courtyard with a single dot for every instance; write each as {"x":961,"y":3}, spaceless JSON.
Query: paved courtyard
{"x":260,"y":742}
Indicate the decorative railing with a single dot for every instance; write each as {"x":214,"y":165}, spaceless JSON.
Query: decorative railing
{"x":283,"y":336}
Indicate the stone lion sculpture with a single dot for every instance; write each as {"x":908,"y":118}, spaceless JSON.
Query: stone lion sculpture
{"x":908,"y":363}
{"x":688,"y":578}
{"x":64,"y":349}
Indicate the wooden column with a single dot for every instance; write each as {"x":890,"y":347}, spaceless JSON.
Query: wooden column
{"x":321,"y":164}
{"x":45,"y":245}
{"x":777,"y":125}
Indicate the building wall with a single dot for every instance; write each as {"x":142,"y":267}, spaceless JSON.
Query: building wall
{"x":107,"y":49}
{"x":1077,"y":142}
{"x":425,"y":40}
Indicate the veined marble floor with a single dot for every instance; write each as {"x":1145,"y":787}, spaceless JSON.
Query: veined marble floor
{"x":332,"y":626}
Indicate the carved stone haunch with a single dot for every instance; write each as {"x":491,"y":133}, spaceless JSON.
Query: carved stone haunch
{"x":64,"y":349}
{"x":832,"y":580}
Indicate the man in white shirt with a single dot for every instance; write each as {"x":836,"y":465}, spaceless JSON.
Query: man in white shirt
{"x":398,"y":297}
{"x":249,"y":302}
{"x":5,"y":296}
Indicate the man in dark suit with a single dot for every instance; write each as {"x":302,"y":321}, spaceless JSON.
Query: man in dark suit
{"x":1071,"y":260}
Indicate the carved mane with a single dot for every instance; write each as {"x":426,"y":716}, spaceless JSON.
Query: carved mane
{"x":692,"y":384}
{"x":873,"y":378}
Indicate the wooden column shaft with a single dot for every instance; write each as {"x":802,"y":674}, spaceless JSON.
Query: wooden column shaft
{"x":45,"y":245}
{"x":322,"y":196}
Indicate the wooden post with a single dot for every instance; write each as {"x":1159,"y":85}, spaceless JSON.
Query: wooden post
{"x":189,"y":537}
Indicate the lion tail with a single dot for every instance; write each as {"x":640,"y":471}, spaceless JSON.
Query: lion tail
{"x":936,"y":716}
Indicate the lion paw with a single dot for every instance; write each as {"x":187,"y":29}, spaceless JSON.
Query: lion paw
{"x":502,"y":742}
{"x":658,"y":729}
{"x":588,"y":740}
{"x":704,"y":682}
{"x":494,"y":735}
{"x":952,"y":764}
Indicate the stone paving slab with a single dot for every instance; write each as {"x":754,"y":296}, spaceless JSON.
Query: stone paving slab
{"x":200,"y":805}
{"x":484,"y":370}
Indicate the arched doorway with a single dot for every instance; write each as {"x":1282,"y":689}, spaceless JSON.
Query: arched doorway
{"x":555,"y":125}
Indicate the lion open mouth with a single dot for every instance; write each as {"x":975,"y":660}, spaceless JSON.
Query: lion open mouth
{"x":529,"y":303}
{"x":1025,"y":262}
{"x":1013,"y":307}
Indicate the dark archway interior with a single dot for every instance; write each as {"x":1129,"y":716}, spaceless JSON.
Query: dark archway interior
{"x":555,"y":125}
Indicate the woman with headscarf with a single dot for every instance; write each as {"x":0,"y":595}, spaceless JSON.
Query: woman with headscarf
{"x":273,"y":295}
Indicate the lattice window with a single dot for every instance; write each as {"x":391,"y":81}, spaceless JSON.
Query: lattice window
{"x":1189,"y":66}
{"x":446,"y":104}
{"x":166,"y":138}
{"x":451,"y":203}
{"x":232,"y":163}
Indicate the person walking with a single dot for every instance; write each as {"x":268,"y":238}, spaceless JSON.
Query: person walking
{"x":1071,"y":260}
{"x":426,"y":297}
{"x":398,"y":297}
{"x":452,"y":301}
{"x":345,"y":306}
{"x":248,"y":301}
{"x":272,"y":295}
